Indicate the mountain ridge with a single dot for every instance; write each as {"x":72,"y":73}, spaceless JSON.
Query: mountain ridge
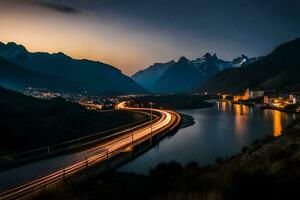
{"x":174,"y":80}
{"x":148,"y":76}
{"x":95,"y":76}
{"x":207,"y":66}
{"x":280,"y":70}
{"x":15,"y":77}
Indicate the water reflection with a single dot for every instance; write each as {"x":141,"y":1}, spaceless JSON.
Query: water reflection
{"x":224,"y":106}
{"x":243,"y":113}
{"x":277,"y":123}
{"x":279,"y":120}
{"x":239,"y":122}
{"x":219,"y":131}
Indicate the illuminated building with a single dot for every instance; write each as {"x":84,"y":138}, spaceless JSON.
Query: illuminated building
{"x":293,"y":99}
{"x":254,"y":94}
{"x":237,"y":98}
{"x":280,"y":102}
{"x":249,"y":94}
{"x":224,"y":96}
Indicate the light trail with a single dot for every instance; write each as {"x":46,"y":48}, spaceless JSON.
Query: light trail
{"x":68,"y":165}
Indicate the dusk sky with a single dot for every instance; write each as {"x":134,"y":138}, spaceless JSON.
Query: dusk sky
{"x":133,"y":34}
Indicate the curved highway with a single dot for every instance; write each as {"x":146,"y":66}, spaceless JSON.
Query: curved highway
{"x":26,"y":179}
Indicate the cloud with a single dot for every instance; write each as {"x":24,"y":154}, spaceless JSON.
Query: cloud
{"x":53,"y":5}
{"x":57,"y":7}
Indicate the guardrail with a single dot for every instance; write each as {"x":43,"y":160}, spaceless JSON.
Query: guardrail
{"x":101,"y":158}
{"x":59,"y":175}
{"x":73,"y":144}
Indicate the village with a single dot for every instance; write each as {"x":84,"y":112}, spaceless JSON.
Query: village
{"x":287,"y":102}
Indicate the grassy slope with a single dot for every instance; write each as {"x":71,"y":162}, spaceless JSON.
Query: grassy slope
{"x":26,"y":122}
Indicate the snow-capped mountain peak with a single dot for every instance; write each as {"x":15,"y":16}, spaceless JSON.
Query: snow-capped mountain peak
{"x":243,"y":60}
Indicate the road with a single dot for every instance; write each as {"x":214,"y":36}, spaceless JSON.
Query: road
{"x":25,"y":178}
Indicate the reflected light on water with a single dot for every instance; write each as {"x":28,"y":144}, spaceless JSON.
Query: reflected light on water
{"x":245,"y":110}
{"x":241,"y":120}
{"x":224,"y":106}
{"x":242,"y":113}
{"x":238,"y":110}
{"x":277,"y":123}
{"x":216,"y":133}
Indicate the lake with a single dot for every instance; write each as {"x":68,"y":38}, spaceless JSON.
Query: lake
{"x":222,"y":130}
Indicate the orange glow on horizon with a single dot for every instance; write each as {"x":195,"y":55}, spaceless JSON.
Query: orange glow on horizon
{"x":83,"y":37}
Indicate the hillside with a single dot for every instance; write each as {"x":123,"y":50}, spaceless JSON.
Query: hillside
{"x":181,"y":77}
{"x":15,"y":77}
{"x":93,"y":76}
{"x":27,"y":122}
{"x":150,"y":75}
{"x":280,"y":70}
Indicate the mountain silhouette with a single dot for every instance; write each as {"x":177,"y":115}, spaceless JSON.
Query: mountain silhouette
{"x":280,"y":71}
{"x":18,"y":78}
{"x":94,"y":76}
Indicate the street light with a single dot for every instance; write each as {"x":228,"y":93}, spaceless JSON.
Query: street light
{"x":132,"y":142}
{"x":151,"y":121}
{"x":132,"y":139}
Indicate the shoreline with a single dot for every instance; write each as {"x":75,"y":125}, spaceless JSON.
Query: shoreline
{"x":187,"y":121}
{"x":279,"y":109}
{"x":251,"y":104}
{"x":263,"y":161}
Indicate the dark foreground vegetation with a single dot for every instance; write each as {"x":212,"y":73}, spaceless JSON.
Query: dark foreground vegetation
{"x":27,"y":122}
{"x":266,"y":169}
{"x":173,"y":101}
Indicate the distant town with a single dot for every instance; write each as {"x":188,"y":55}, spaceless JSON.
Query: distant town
{"x":287,"y":102}
{"x":89,"y":101}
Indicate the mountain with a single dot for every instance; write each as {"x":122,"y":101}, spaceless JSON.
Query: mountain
{"x":94,"y":76}
{"x":17,"y":78}
{"x":150,"y":75}
{"x":160,"y":77}
{"x":243,"y":61}
{"x":180,"y":77}
{"x":280,"y":70}
{"x":208,"y":61}
{"x":211,"y":61}
{"x":210,"y":64}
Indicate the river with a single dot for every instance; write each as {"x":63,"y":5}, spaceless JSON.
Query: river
{"x":222,"y":130}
